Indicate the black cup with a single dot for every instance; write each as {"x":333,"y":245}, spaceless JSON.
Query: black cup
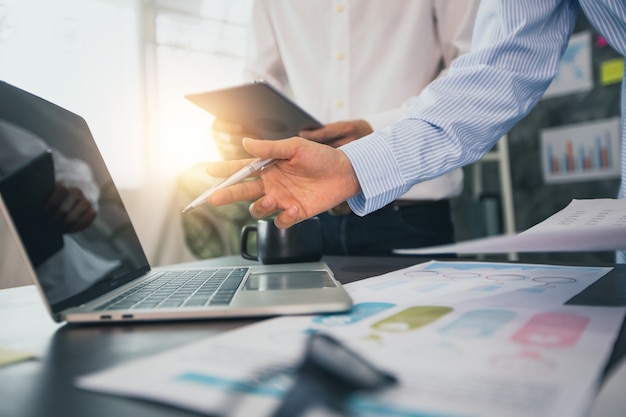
{"x":301,"y":242}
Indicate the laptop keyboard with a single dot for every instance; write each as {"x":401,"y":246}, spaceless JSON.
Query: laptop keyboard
{"x":181,"y":289}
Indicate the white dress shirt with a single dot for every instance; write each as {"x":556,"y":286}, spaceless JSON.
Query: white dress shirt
{"x":343,"y":59}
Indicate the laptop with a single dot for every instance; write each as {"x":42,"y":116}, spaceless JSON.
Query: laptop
{"x":97,"y":270}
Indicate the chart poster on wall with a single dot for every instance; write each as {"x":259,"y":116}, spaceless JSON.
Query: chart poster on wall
{"x":581,"y":152}
{"x":575,"y":72}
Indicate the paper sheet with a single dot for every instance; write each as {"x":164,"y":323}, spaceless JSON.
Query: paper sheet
{"x":584,"y":225}
{"x":492,"y":340}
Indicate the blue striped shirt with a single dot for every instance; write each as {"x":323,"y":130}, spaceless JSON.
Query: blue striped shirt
{"x":458,"y":118}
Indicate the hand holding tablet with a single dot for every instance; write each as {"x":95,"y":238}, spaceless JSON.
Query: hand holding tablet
{"x":258,"y":108}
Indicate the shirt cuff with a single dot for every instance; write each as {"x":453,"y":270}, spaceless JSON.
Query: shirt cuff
{"x":380,"y":178}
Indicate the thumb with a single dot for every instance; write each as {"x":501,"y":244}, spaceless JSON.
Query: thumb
{"x":272,"y":149}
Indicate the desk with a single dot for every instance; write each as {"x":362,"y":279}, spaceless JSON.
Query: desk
{"x":44,"y":387}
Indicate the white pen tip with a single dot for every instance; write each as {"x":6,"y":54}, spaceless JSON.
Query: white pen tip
{"x":186,"y":209}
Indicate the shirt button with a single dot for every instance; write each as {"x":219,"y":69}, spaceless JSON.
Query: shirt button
{"x":340,"y":56}
{"x":340,"y":103}
{"x":340,"y":8}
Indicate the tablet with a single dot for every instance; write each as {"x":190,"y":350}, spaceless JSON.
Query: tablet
{"x":259,"y":108}
{"x":24,"y":192}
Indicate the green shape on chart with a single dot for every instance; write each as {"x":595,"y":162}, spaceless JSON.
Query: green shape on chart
{"x":411,"y":319}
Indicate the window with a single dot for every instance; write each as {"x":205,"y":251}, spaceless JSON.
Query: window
{"x":66,"y":52}
{"x":125,"y":66}
{"x":200,"y":46}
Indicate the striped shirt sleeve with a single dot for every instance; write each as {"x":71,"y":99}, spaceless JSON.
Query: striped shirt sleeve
{"x":458,"y":118}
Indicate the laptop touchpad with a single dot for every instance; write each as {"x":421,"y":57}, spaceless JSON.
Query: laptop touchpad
{"x":293,"y":280}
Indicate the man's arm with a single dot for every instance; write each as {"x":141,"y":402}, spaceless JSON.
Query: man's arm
{"x":454,"y":122}
{"x":459,"y":117}
{"x":453,"y":24}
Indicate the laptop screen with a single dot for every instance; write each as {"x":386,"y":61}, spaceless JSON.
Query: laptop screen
{"x":62,"y":202}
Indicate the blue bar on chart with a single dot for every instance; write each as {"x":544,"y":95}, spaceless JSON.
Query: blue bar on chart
{"x":584,"y":159}
{"x":581,"y":152}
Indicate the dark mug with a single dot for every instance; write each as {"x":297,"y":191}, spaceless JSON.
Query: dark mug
{"x":301,"y":242}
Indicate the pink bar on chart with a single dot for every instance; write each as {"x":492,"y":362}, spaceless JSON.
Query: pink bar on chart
{"x":551,"y":330}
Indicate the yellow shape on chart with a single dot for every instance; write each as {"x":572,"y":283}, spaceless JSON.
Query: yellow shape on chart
{"x":8,"y":356}
{"x":411,"y":318}
{"x":612,"y":71}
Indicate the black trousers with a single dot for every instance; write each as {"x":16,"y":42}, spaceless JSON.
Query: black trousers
{"x":394,"y":226}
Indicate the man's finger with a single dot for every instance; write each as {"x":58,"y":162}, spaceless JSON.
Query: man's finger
{"x":247,"y":190}
{"x":263,"y":207}
{"x":288,"y":217}
{"x":273,"y":149}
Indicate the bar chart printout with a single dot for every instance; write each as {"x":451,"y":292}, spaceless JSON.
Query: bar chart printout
{"x":581,"y":152}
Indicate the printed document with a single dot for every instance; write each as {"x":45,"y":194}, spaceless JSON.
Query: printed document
{"x":584,"y":225}
{"x":463,"y":338}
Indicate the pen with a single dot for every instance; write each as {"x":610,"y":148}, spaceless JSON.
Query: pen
{"x":238,"y":176}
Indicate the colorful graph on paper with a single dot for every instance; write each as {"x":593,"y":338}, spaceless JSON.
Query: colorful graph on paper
{"x":581,"y":152}
{"x":463,"y":339}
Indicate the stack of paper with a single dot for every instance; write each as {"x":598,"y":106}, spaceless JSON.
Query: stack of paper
{"x":584,"y":225}
{"x":463,"y":338}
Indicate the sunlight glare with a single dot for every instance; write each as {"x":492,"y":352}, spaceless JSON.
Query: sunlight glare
{"x":186,"y":139}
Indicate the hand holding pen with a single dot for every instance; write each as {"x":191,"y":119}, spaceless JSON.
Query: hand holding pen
{"x":254,"y":166}
{"x":308,"y":179}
